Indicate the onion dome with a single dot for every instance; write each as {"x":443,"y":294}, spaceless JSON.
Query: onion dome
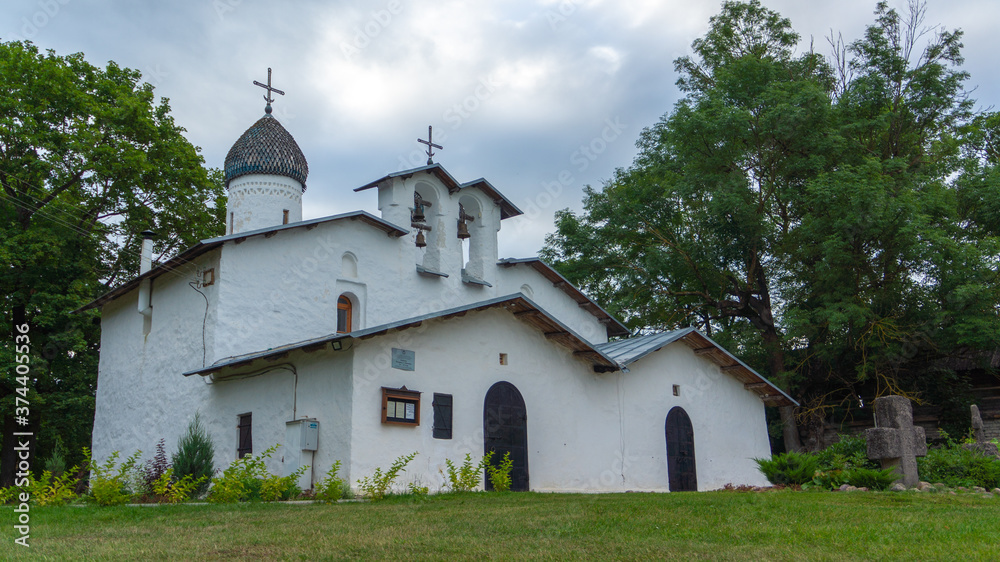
{"x":266,"y":148}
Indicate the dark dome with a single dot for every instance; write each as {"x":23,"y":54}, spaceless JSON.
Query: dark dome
{"x":266,"y":148}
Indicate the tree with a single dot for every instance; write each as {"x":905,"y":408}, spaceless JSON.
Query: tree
{"x":803,"y":212}
{"x":88,"y":160}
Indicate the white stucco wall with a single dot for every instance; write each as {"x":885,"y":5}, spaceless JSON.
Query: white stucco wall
{"x":586,"y":431}
{"x":257,"y":200}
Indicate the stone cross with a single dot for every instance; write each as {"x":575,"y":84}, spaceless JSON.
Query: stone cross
{"x":979,"y":434}
{"x":895,"y":440}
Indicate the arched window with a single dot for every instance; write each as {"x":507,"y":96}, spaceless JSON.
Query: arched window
{"x":343,"y":315}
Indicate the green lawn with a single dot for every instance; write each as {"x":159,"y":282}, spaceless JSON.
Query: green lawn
{"x":727,"y":525}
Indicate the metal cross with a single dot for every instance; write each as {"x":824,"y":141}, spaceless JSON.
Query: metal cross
{"x":430,"y":144}
{"x":267,"y":96}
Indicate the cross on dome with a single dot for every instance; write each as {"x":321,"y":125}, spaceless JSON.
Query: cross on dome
{"x":267,"y":96}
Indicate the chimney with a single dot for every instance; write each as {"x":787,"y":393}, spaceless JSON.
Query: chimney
{"x":146,"y":261}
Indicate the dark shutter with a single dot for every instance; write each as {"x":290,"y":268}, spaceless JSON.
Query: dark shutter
{"x":442,"y":416}
{"x":244,"y":444}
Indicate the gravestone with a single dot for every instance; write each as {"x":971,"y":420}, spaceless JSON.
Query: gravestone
{"x":894,"y":440}
{"x":979,"y":434}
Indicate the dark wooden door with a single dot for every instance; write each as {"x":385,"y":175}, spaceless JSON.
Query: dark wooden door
{"x":505,"y":429}
{"x":680,"y":452}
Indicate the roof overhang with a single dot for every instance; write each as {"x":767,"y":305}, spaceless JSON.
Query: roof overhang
{"x":628,"y":351}
{"x":517,"y":304}
{"x":507,"y":208}
{"x":615,"y":327}
{"x":171,"y":265}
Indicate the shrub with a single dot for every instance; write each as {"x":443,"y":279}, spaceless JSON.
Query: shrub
{"x":380,"y":484}
{"x":851,"y":451}
{"x":56,"y":464}
{"x":152,"y":472}
{"x":871,"y":478}
{"x":109,"y":482}
{"x":957,"y":466}
{"x":466,"y":477}
{"x":500,"y":474}
{"x":195,"y":456}
{"x":47,"y":490}
{"x":789,"y":468}
{"x":331,"y":487}
{"x":829,"y":479}
{"x":167,"y":489}
{"x":248,"y":479}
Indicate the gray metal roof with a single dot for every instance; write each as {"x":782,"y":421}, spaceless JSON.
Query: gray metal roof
{"x":517,"y":303}
{"x":266,"y":148}
{"x":632,"y":349}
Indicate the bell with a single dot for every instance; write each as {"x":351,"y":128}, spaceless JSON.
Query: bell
{"x":463,"y":230}
{"x":421,"y":240}
{"x":418,"y":213}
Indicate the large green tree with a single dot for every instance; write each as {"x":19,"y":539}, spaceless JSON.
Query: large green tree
{"x":805,"y":211}
{"x":88,"y":160}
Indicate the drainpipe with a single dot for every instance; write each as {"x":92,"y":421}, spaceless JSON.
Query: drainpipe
{"x":145,"y":264}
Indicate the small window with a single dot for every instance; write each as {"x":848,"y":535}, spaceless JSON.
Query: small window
{"x":284,"y":216}
{"x":442,"y":416}
{"x":677,"y":390}
{"x":503,"y":358}
{"x":400,"y":406}
{"x":344,"y":307}
{"x":244,"y":443}
{"x":232,"y":223}
{"x":208,"y":277}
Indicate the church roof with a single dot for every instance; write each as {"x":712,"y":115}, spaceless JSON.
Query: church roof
{"x":182,"y":259}
{"x":507,"y":208}
{"x":266,"y":148}
{"x":615,"y":328}
{"x":521,"y":306}
{"x":630,"y":350}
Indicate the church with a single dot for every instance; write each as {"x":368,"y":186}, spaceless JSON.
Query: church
{"x":362,"y":337}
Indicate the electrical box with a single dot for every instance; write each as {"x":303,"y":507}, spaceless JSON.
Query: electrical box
{"x":310,"y":435}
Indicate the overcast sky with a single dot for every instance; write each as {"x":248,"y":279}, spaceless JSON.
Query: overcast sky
{"x":522,"y":93}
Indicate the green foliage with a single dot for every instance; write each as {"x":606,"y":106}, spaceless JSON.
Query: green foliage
{"x":46,"y":490}
{"x":789,"y":468}
{"x":466,"y":477}
{"x":248,"y":479}
{"x":499,"y":474}
{"x":871,"y":478}
{"x":195,"y":455}
{"x":56,"y":464}
{"x":170,"y":489}
{"x":379,"y":484}
{"x":417,"y":490}
{"x":109,"y":482}
{"x":847,"y":453}
{"x":331,"y":487}
{"x":956,"y":466}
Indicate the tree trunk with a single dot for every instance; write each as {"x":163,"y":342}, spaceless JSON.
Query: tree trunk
{"x":776,"y":364}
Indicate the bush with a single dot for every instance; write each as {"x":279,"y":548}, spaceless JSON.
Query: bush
{"x":851,"y":451}
{"x":500,"y":474}
{"x":332,"y":487}
{"x":380,"y":484}
{"x":466,"y":477}
{"x":167,"y":489}
{"x":47,"y":490}
{"x":957,"y":466}
{"x":248,"y":479}
{"x":195,"y":456}
{"x":56,"y":464}
{"x":152,"y":472}
{"x":789,"y":468}
{"x":873,"y":479}
{"x":109,"y":482}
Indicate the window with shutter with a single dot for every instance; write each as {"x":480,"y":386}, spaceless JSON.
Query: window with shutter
{"x":442,"y":416}
{"x":244,"y":443}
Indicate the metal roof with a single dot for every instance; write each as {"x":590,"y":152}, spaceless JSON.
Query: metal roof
{"x":507,"y":207}
{"x":519,"y":305}
{"x":615,"y":327}
{"x":212,"y":243}
{"x":630,"y":350}
{"x":266,"y":148}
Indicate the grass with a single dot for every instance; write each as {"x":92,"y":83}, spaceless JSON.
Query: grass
{"x":715,"y":525}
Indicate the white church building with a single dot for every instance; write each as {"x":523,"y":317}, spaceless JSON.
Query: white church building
{"x":361,"y":337}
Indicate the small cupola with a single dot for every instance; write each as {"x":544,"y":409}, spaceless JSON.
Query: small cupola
{"x":265,"y":173}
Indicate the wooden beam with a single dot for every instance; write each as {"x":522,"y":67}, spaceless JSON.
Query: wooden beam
{"x":551,"y":335}
{"x":756,"y":385}
{"x":241,"y":239}
{"x":314,"y":347}
{"x":559,"y":284}
{"x":531,"y":312}
{"x":586,"y":352}
{"x":704,"y":350}
{"x":728,"y":368}
{"x":270,"y":234}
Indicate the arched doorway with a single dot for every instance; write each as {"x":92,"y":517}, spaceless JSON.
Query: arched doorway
{"x":680,"y":452}
{"x":505,"y":429}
